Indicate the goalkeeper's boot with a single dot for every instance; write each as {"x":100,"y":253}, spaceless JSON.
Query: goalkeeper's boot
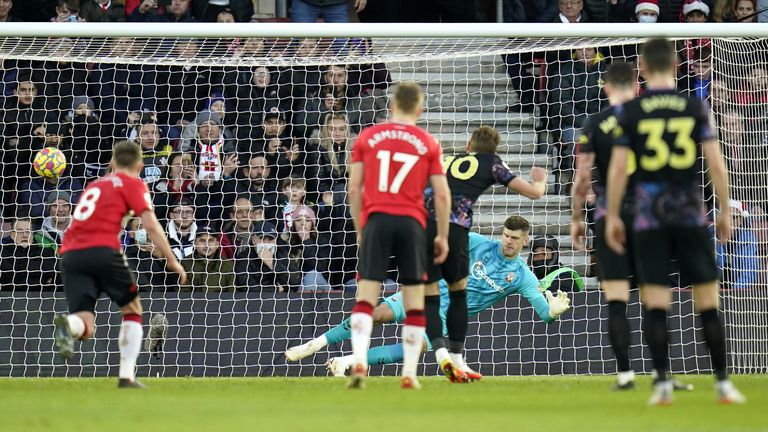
{"x":662,"y":393}
{"x":304,"y":350}
{"x":128,"y":383}
{"x":728,"y":394}
{"x":458,"y":360}
{"x":410,"y":383}
{"x":454,"y":374}
{"x":61,"y":336}
{"x":338,"y":366}
{"x":158,"y":327}
{"x":357,"y":376}
{"x":624,"y":381}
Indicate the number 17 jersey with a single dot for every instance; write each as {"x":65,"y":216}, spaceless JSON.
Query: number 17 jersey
{"x":398,"y":160}
{"x":101,"y":213}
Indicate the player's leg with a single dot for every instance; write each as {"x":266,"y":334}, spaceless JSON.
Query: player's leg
{"x":375,"y":251}
{"x":698,"y":266}
{"x":380,"y":355}
{"x":383,"y":313}
{"x":81,"y":292}
{"x":657,"y":300}
{"x":434,"y":329}
{"x":411,"y":258}
{"x":116,"y":280}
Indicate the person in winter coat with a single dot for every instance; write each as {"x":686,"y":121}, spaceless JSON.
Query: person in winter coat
{"x":206,"y":269}
{"x":544,"y":259}
{"x":25,"y":265}
{"x":59,"y":217}
{"x":302,"y":260}
{"x":205,"y":10}
{"x":102,"y":11}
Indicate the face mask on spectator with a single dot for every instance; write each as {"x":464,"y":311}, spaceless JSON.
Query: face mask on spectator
{"x":646,"y":19}
{"x":260,"y":247}
{"x":141,"y":236}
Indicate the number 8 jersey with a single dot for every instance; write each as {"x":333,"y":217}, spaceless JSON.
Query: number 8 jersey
{"x":666,"y":131}
{"x":101,"y":213}
{"x":398,"y":160}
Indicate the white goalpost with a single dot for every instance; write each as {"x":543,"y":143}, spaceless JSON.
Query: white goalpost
{"x":247,"y":128}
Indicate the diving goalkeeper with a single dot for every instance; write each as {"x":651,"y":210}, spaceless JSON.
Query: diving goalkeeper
{"x":496,"y":271}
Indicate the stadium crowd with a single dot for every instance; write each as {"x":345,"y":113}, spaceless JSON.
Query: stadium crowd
{"x":248,"y":165}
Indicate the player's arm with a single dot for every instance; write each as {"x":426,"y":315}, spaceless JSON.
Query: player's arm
{"x":547,"y":307}
{"x":157,"y":235}
{"x":355,"y":193}
{"x":442,"y":203}
{"x":584,"y":163}
{"x":719,"y":177}
{"x":534,"y":189}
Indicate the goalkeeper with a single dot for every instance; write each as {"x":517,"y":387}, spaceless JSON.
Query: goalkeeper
{"x":496,"y":271}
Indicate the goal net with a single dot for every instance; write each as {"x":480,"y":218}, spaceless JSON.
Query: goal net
{"x":246,"y":144}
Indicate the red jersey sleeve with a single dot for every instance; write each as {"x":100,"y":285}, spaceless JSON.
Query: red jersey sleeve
{"x":358,"y":148}
{"x":137,"y":196}
{"x":436,"y":159}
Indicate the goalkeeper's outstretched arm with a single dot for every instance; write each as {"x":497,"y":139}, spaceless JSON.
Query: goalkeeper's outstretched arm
{"x":547,"y":306}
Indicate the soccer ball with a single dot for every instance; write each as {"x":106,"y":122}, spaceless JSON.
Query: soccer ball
{"x":50,"y":162}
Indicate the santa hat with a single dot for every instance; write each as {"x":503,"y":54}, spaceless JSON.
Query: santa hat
{"x":695,"y":5}
{"x":650,"y":5}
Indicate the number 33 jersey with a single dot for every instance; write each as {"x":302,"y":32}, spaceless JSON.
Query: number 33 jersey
{"x":469,"y":175}
{"x":398,"y":160}
{"x":666,"y":131}
{"x":102,"y":212}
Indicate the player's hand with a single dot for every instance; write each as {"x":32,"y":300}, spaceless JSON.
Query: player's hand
{"x":146,"y":5}
{"x":538,"y":174}
{"x":578,"y":234}
{"x":615,"y":234}
{"x":558,"y":304}
{"x":177,"y":268}
{"x":441,"y":249}
{"x":723,"y":226}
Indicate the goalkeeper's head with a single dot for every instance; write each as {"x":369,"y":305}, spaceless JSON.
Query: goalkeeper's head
{"x":514,"y":236}
{"x":127,"y":158}
{"x":658,"y":58}
{"x":408,"y":101}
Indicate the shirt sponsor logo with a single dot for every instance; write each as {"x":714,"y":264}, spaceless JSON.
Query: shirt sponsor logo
{"x":479,"y":272}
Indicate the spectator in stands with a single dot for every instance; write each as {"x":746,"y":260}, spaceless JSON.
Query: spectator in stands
{"x":178,"y":184}
{"x":214,"y":109}
{"x":647,"y":11}
{"x":34,"y":193}
{"x":87,"y":153}
{"x":331,"y":11}
{"x":26,"y":128}
{"x":756,"y":91}
{"x":143,"y":258}
{"x":209,"y":10}
{"x":731,"y":134}
{"x":744,"y":11}
{"x":102,"y":11}
{"x":236,"y":233}
{"x":182,"y":228}
{"x":175,"y":11}
{"x":696,"y":78}
{"x":67,"y":11}
{"x":206,"y":270}
{"x":5,"y":11}
{"x":294,"y":193}
{"x":61,"y":80}
{"x":254,"y":183}
{"x":56,"y":222}
{"x":721,"y":95}
{"x":737,"y":259}
{"x":297,"y":158}
{"x":210,"y":148}
{"x":529,"y":11}
{"x":209,"y":192}
{"x":25,"y":265}
{"x":573,"y":95}
{"x":122,"y":92}
{"x":694,"y":11}
{"x":249,"y":47}
{"x":571,"y":11}
{"x":302,"y":260}
{"x":255,"y":265}
{"x":723,"y":11}
{"x":256,"y":93}
{"x":155,"y":149}
{"x":545,"y":259}
{"x":336,"y":143}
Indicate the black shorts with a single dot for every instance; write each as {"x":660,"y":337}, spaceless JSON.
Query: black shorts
{"x":692,"y":247}
{"x":612,"y":266}
{"x":89,"y":272}
{"x":396,"y":240}
{"x":456,"y":266}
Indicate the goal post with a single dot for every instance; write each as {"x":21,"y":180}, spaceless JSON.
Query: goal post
{"x":287,"y":101}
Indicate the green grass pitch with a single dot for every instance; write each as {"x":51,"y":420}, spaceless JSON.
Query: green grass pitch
{"x":519,"y":404}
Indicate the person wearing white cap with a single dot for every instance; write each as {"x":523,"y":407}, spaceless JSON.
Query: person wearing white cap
{"x":647,"y":11}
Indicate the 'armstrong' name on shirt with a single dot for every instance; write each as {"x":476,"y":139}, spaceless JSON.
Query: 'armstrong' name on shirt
{"x":398,"y":135}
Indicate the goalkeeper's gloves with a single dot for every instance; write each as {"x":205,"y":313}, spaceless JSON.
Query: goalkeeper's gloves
{"x":558,"y":304}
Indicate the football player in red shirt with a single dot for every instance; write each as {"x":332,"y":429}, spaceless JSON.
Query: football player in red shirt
{"x":92,"y":262}
{"x":392,"y":163}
